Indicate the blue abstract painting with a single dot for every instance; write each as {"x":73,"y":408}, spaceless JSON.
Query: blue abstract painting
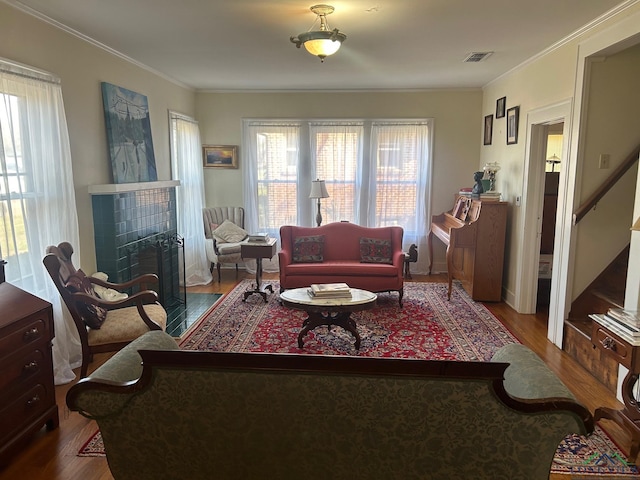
{"x":126,"y":115}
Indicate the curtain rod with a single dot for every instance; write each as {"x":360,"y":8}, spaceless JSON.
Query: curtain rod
{"x":182,"y":116}
{"x":25,"y":71}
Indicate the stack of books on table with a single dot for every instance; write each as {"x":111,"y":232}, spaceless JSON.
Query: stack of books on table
{"x":329,"y":290}
{"x":627,"y":320}
{"x":259,"y":237}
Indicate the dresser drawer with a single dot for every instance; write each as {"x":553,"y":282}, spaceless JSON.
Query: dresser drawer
{"x":19,"y":371}
{"x":27,"y":334}
{"x":24,"y":408}
{"x":613,"y":345}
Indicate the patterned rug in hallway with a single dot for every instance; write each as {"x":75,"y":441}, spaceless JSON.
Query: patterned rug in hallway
{"x":428,"y":326}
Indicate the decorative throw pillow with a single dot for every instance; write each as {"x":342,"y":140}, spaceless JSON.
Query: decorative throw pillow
{"x":212,"y":227}
{"x":375,"y":250}
{"x":92,"y":315}
{"x":229,"y":232}
{"x":308,"y":249}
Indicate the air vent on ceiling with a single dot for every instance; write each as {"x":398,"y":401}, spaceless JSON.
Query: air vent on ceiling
{"x":476,"y":57}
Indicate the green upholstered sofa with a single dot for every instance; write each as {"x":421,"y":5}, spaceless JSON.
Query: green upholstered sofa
{"x":206,"y":415}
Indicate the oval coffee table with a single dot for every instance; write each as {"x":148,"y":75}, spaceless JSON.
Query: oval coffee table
{"x":328,"y":311}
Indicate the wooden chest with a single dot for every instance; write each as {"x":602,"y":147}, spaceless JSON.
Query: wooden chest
{"x":27,"y":394}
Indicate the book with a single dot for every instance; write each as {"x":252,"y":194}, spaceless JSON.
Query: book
{"x":329,"y":295}
{"x":329,"y":290}
{"x":628,"y":317}
{"x":259,"y":237}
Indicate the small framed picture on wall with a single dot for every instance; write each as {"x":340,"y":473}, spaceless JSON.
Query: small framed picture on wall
{"x":513,"y":117}
{"x":220,"y":156}
{"x":501,"y":104}
{"x":488,"y":129}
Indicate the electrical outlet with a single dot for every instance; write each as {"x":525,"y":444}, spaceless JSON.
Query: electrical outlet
{"x":604,"y":160}
{"x":518,"y":200}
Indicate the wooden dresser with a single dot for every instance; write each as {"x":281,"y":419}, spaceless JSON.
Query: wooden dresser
{"x":474,"y":233}
{"x":27,"y":394}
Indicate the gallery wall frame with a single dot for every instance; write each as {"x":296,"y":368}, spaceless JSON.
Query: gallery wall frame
{"x":488,"y":129}
{"x":513,"y":118}
{"x":220,"y":156}
{"x":501,"y":104}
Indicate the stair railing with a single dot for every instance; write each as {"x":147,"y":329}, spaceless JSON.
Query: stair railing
{"x":593,"y":200}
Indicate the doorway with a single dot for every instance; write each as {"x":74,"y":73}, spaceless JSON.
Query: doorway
{"x":553,"y":165}
{"x":540,"y":124}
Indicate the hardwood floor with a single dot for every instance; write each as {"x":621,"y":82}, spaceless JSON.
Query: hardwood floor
{"x":52,"y":455}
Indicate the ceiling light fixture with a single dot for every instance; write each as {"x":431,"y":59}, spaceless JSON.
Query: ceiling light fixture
{"x":323,"y":42}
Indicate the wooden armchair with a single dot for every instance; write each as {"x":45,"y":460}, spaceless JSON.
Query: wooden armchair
{"x":114,"y":324}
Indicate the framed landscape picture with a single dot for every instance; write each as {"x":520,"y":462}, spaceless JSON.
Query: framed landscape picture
{"x":220,"y":156}
{"x":513,"y":116}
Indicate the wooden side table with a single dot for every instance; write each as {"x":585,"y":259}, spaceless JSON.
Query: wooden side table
{"x":258,"y":250}
{"x":625,"y":349}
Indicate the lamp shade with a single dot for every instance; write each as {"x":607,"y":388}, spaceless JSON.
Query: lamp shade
{"x":322,"y":47}
{"x":318,"y":189}
{"x":322,"y":42}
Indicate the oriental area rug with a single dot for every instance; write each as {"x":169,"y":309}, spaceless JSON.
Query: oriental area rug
{"x":426,"y":327}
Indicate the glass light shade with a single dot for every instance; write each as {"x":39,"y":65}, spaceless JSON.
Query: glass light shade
{"x":321,"y":43}
{"x":322,"y":47}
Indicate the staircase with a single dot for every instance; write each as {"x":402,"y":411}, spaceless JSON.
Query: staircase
{"x":605,"y":292}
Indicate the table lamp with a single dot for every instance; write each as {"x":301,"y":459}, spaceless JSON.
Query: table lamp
{"x":318,"y":190}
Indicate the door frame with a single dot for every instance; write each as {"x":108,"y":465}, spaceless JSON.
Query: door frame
{"x":538,"y":121}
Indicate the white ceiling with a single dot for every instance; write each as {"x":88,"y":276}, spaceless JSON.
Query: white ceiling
{"x":391,"y":44}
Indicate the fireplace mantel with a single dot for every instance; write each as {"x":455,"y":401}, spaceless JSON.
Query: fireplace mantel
{"x":114,"y":188}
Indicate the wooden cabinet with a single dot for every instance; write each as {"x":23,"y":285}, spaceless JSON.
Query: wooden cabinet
{"x":27,"y":394}
{"x":475,"y":238}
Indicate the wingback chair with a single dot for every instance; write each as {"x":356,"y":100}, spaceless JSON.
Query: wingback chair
{"x":223,"y":247}
{"x":103,"y":326}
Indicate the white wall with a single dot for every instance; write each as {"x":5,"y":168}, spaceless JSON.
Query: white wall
{"x":81,"y":67}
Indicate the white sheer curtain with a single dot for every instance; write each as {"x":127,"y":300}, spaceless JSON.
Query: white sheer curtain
{"x":37,"y":199}
{"x":336,"y":153}
{"x":186,"y":166}
{"x":400,"y":180}
{"x":271,"y":175}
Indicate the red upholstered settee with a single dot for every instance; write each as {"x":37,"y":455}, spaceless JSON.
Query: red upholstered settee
{"x":362,"y":257}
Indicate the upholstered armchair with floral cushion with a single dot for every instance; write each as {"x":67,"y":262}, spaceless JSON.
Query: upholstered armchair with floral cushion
{"x":103,"y":325}
{"x":169,"y":413}
{"x":224,"y":232}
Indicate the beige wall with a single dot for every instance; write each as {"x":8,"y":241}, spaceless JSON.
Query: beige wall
{"x":456,"y":115}
{"x":544,"y":81}
{"x":82,"y":67}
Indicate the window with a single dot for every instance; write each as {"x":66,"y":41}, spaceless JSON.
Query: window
{"x":377,"y":173}
{"x":186,"y":166}
{"x":336,"y":151}
{"x":16,"y":195}
{"x":37,"y":197}
{"x":274,"y":176}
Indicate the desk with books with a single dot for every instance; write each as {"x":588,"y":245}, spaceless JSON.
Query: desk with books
{"x":474,"y":233}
